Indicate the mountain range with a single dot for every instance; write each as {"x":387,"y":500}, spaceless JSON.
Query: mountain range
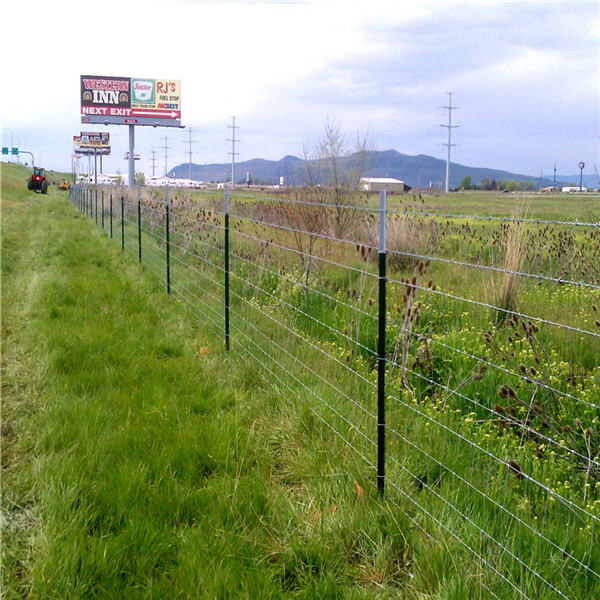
{"x":415,"y":171}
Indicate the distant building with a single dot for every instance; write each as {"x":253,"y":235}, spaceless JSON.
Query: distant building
{"x":100,"y":178}
{"x":377,"y":184}
{"x":571,"y":189}
{"x":160,"y":181}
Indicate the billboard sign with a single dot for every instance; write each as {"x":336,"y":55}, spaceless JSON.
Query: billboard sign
{"x":92,"y":142}
{"x":130,"y":101}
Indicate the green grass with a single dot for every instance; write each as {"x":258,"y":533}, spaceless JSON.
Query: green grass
{"x":563,"y":207}
{"x":140,"y":460}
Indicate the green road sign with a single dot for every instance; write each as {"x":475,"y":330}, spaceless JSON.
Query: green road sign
{"x":14,"y":151}
{"x":4,"y":149}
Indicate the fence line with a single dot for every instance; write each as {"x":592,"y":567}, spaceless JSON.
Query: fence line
{"x":482,"y":417}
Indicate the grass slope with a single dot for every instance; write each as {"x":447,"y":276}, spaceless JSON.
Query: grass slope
{"x":139,"y":462}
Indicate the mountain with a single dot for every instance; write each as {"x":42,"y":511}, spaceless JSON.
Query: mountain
{"x":588,"y":180}
{"x":423,"y":170}
{"x":260,"y":170}
{"x":416,"y":171}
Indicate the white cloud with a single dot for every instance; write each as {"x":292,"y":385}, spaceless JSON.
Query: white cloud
{"x":524,"y":75}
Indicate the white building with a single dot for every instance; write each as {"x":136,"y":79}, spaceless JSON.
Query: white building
{"x":377,"y":184}
{"x":163,"y":180}
{"x":101,"y":178}
{"x":572,"y":189}
{"x":160,"y":181}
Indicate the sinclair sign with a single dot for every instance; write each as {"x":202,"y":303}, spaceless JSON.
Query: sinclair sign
{"x":130,"y":101}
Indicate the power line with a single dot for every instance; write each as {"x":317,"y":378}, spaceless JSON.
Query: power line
{"x":449,"y":145}
{"x":233,"y":152}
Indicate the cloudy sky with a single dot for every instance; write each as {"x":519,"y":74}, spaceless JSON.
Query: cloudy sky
{"x":524,"y":76}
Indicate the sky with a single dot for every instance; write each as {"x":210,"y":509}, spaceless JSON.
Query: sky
{"x":524,"y":76}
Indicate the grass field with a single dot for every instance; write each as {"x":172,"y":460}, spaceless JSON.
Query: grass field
{"x":141,"y":461}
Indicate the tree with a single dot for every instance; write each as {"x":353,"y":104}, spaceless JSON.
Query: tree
{"x":324,"y":201}
{"x":465,"y":184}
{"x":332,"y":172}
{"x":486,"y":184}
{"x":140,"y":179}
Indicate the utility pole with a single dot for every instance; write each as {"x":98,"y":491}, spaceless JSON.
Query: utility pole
{"x":233,"y":152}
{"x":166,"y":149}
{"x":190,"y":142}
{"x":450,"y":127}
{"x":153,"y":160}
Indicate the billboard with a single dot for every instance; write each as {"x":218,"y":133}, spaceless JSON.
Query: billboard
{"x":92,"y":142}
{"x":130,"y":101}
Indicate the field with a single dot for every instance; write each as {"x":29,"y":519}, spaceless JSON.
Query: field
{"x":142,"y":459}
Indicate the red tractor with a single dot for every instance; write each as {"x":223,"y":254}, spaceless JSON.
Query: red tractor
{"x":38,"y":182}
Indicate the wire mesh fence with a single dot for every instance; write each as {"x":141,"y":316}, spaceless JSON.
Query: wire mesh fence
{"x":456,"y":356}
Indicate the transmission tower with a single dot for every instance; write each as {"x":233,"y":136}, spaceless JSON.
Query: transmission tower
{"x":166,"y":150}
{"x":153,"y":160}
{"x":233,"y":152}
{"x":449,"y":145}
{"x":190,"y":142}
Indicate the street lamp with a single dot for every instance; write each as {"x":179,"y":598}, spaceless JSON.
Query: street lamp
{"x":581,"y":165}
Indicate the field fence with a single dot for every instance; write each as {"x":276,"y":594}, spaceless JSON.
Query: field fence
{"x":455,"y":356}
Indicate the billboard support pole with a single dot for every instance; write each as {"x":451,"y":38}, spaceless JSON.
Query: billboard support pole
{"x":131,"y":157}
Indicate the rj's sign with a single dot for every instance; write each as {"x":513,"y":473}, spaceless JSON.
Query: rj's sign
{"x":127,"y":100}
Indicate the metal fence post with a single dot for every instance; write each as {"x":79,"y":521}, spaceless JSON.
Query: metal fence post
{"x":96,"y":202}
{"x":140,"y":222}
{"x":122,"y":221}
{"x":102,"y":196}
{"x":111,"y":209}
{"x":227,"y":267}
{"x":168,"y":242}
{"x":381,"y":346}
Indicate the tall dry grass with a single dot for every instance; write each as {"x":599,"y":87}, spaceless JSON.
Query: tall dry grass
{"x":514,"y":255}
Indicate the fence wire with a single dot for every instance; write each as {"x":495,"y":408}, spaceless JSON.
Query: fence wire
{"x":492,"y":368}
